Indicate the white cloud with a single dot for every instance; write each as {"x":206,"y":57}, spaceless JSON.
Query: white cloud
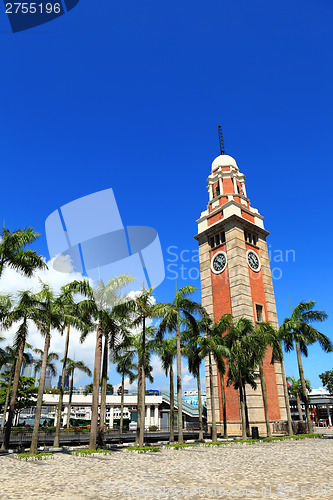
{"x":13,"y":282}
{"x":184,"y":366}
{"x":130,"y":387}
{"x":188,"y":382}
{"x":134,"y":294}
{"x":157,"y":368}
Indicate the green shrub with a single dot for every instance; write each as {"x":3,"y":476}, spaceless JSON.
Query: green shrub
{"x":144,"y":449}
{"x":265,"y":440}
{"x":178,"y":446}
{"x":28,"y":457}
{"x":217,"y":443}
{"x":86,"y":453}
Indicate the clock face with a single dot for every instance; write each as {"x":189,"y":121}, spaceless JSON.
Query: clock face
{"x":219,"y":262}
{"x":253,"y":261}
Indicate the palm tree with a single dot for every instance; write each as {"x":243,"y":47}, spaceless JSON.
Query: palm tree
{"x":126,"y":368}
{"x":14,"y":254}
{"x":297,"y":331}
{"x":114,"y":325}
{"x":104,"y":381}
{"x":167,"y":351}
{"x":5,"y":307}
{"x":135,"y":344}
{"x":172,"y":313}
{"x":24,"y":311}
{"x":8,"y":355}
{"x":286,"y":397}
{"x":142,"y":308}
{"x":84,"y":310}
{"x":52,"y":356}
{"x":8,"y":358}
{"x":192,"y":350}
{"x":213,"y":344}
{"x":295,"y":389}
{"x":268,"y":339}
{"x":95,"y":395}
{"x":106,"y":297}
{"x":71,"y":366}
{"x":243,"y":359}
{"x":207,"y":346}
{"x":52,"y":316}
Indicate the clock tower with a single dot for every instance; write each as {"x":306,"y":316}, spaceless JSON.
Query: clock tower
{"x":236,"y":279}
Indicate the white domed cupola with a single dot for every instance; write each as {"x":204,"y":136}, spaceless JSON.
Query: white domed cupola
{"x":224,"y":161}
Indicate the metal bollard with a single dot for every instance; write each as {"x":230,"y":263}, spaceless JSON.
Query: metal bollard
{"x":255,"y":432}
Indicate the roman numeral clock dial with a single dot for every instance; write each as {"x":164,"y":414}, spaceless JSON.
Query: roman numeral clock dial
{"x":219,"y":262}
{"x":253,"y":261}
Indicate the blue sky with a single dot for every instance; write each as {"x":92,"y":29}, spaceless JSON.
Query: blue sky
{"x":128,"y":95}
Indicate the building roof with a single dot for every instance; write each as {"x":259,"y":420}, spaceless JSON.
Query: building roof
{"x":224,"y":161}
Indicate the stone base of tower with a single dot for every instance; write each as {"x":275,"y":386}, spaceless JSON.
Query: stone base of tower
{"x":276,"y":404}
{"x":235,"y":428}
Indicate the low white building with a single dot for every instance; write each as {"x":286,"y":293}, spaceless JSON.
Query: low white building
{"x":157,"y":409}
{"x":81,"y":407}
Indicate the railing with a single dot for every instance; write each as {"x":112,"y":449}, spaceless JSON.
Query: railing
{"x":193,"y":410}
{"x":22,"y":439}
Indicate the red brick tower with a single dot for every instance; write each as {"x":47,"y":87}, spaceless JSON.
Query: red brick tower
{"x":236,"y":279}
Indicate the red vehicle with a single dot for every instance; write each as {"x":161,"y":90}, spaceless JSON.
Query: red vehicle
{"x":119,"y":391}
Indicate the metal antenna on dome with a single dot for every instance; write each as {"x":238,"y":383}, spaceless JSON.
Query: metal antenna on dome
{"x":222,"y":150}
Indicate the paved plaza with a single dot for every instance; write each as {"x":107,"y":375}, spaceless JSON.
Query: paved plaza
{"x":261,"y":470}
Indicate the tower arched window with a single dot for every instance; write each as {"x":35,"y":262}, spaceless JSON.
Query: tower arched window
{"x":216,"y":190}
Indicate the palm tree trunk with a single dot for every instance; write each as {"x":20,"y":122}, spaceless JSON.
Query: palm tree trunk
{"x":16,"y":381}
{"x":286,"y":399}
{"x":61,"y":395}
{"x":138,"y":406}
{"x":69,"y":409}
{"x":212,"y":400}
{"x":95,"y":397}
{"x":122,"y":403}
{"x":242,"y":410}
{"x":179,"y":386}
{"x":264,"y":398}
{"x":246,"y":412}
{"x":172,"y":406}
{"x":305,"y":394}
{"x":299,"y":406}
{"x":103,"y":392}
{"x":200,"y":407}
{"x":224,"y":407}
{"x":9,"y":388}
{"x":143,"y":386}
{"x":34,"y":439}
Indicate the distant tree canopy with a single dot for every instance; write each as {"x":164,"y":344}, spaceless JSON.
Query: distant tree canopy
{"x":327,"y":380}
{"x":26,"y":395}
{"x":89,"y":388}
